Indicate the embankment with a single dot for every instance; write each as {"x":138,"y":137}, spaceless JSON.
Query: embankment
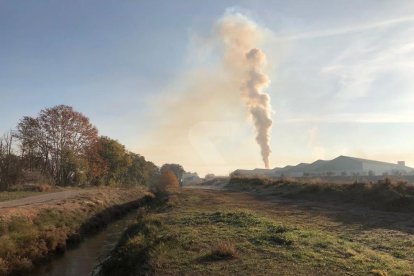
{"x":384,"y":195}
{"x":30,"y":234}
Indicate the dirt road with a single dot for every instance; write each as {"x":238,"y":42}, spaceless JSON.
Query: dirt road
{"x":38,"y":199}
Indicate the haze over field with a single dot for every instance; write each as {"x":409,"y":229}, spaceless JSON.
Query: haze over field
{"x":183,"y":82}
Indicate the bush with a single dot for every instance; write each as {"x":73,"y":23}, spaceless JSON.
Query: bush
{"x":43,"y":188}
{"x":168,"y":182}
{"x":223,"y":251}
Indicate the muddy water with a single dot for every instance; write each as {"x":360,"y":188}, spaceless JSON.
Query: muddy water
{"x":82,"y":259}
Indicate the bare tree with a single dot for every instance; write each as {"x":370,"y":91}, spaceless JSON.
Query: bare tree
{"x":10,"y":168}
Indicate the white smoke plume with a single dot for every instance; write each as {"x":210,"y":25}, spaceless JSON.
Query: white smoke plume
{"x":240,"y":37}
{"x":227,"y":75}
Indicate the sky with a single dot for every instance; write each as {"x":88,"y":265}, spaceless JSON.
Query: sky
{"x":341,"y":77}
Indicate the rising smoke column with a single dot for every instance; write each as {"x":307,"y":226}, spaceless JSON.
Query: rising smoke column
{"x":226,"y":77}
{"x":241,"y":36}
{"x":258,"y":102}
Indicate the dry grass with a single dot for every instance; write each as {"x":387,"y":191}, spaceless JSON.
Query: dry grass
{"x":223,"y":251}
{"x":31,"y":233}
{"x":385,"y":195}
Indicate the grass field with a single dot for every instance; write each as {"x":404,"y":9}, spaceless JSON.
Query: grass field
{"x":225,"y":233}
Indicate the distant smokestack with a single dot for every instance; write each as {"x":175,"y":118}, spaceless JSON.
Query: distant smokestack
{"x":240,"y":37}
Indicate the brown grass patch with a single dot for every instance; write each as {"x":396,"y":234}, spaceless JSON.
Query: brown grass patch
{"x":223,"y":251}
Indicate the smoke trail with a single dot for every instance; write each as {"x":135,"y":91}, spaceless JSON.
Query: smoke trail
{"x":240,"y":36}
{"x":226,"y":76}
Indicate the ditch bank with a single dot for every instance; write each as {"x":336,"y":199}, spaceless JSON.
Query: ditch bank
{"x":384,"y":195}
{"x":31,"y":235}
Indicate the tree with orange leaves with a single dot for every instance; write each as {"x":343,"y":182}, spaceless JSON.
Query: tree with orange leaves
{"x":168,"y":182}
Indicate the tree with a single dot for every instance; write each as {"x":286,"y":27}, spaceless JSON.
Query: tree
{"x":97,"y":166}
{"x":57,"y":136}
{"x":116,"y":158}
{"x":62,"y":145}
{"x":125,"y":167}
{"x":151,"y":174}
{"x":168,"y":181}
{"x":177,"y":169}
{"x":10,"y":167}
{"x":141,"y":172}
{"x":31,"y":146}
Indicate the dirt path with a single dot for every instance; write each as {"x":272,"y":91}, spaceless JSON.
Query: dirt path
{"x":38,"y":199}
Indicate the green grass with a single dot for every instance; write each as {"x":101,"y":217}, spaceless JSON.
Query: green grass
{"x":208,"y":233}
{"x":6,"y":196}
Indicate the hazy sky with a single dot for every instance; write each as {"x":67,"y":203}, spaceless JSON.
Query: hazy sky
{"x":341,"y":75}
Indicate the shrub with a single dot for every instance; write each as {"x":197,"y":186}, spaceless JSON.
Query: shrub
{"x":43,"y":187}
{"x":223,"y":251}
{"x":167,"y":182}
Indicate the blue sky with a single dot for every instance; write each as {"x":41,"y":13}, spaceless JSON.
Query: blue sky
{"x":341,"y":73}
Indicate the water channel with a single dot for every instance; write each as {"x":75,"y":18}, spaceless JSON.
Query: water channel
{"x":83,"y":258}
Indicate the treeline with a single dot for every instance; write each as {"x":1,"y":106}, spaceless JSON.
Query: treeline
{"x":61,"y":147}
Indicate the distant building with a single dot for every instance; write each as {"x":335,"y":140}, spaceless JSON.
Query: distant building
{"x":340,"y":166}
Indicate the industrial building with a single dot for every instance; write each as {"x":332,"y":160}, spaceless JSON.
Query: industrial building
{"x":340,"y":166}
